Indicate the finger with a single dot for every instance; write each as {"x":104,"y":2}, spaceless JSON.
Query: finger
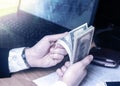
{"x":58,"y":51}
{"x":86,"y":61}
{"x":53,"y":44}
{"x":67,"y":64}
{"x":56,"y":36}
{"x":58,"y":46}
{"x":59,"y":72}
{"x":57,"y":56}
{"x":51,"y":50}
{"x":64,"y":68}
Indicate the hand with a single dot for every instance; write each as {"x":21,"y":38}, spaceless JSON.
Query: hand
{"x":46,"y":52}
{"x":73,"y":74}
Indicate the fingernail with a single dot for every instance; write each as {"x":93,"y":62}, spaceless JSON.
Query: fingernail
{"x":91,"y":56}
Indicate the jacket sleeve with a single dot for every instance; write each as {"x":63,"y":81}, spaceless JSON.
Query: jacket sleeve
{"x":4,"y":68}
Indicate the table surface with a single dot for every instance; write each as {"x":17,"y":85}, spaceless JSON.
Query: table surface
{"x":96,"y":75}
{"x":24,"y":78}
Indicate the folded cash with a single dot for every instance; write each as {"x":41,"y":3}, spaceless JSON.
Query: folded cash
{"x":78,"y":42}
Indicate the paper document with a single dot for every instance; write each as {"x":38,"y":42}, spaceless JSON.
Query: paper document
{"x":47,"y":80}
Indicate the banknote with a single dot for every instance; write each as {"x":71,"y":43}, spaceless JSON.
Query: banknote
{"x":78,"y":41}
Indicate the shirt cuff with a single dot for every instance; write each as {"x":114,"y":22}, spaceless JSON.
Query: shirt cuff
{"x":16,"y":62}
{"x":59,"y":83}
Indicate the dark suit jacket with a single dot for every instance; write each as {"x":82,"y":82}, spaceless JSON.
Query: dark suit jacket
{"x":4,"y":69}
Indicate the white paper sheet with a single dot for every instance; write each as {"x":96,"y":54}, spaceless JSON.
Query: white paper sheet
{"x":47,"y":80}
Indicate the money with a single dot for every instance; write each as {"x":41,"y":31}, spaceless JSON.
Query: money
{"x":78,"y":42}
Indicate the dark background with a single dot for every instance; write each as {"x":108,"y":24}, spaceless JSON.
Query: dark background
{"x":107,"y":23}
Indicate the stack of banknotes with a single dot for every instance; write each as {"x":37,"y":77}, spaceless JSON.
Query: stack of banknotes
{"x":78,"y":42}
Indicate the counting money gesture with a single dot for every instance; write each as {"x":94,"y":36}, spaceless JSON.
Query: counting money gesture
{"x":46,"y":52}
{"x":78,"y":42}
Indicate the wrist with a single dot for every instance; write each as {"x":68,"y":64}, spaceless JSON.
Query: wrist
{"x":29,"y":57}
{"x":25,"y":57}
{"x":16,"y":61}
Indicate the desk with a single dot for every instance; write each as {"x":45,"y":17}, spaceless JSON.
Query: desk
{"x":96,"y":76}
{"x":24,"y":78}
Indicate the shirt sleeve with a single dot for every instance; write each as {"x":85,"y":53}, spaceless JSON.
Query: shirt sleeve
{"x":59,"y":83}
{"x":16,"y":62}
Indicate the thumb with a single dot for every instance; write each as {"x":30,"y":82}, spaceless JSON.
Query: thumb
{"x":55,"y":37}
{"x":86,"y":61}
